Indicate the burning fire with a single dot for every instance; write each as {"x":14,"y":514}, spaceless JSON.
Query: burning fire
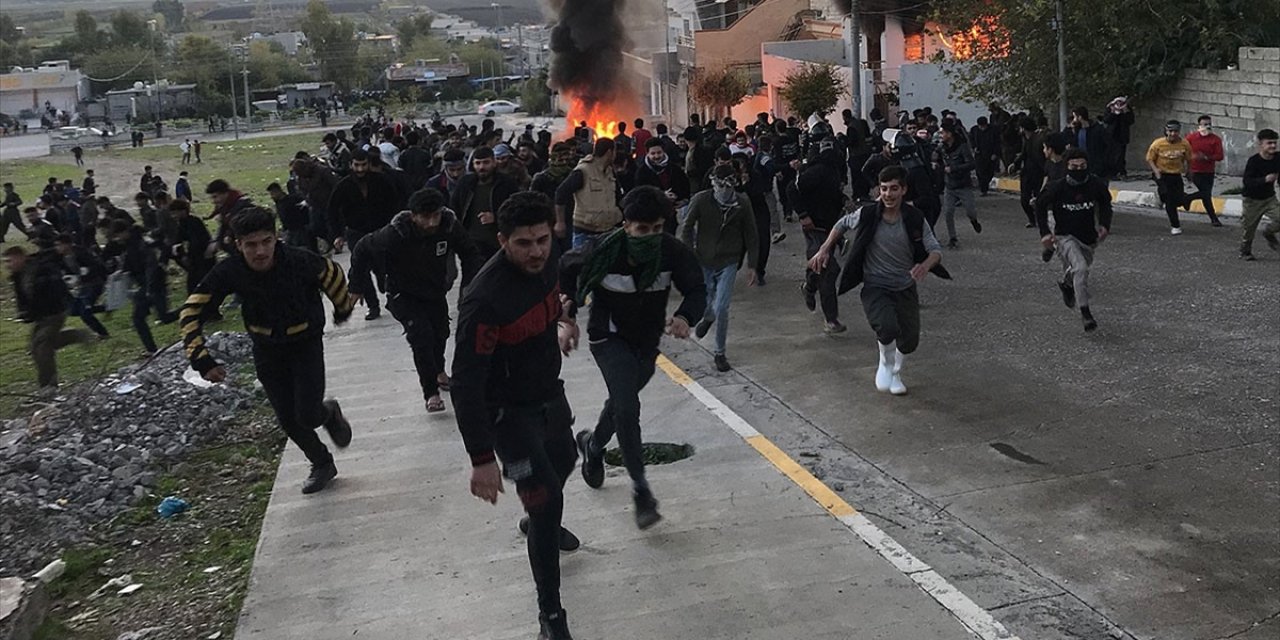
{"x":601,"y":117}
{"x":985,"y":38}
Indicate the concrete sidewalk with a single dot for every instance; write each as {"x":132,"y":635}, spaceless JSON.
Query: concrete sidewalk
{"x":398,"y":548}
{"x":1142,"y":193}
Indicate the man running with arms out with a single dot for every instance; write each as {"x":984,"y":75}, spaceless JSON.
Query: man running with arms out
{"x":1261,"y":172}
{"x":414,"y":252}
{"x":893,"y":249}
{"x":1081,"y":207}
{"x":628,"y":274}
{"x":279,"y":288}
{"x":507,"y":391}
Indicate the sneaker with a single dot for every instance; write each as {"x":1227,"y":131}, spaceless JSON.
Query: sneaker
{"x":722,"y":363}
{"x":1272,"y":241}
{"x":553,"y":626}
{"x":778,"y":237}
{"x":1047,"y":254}
{"x":568,"y":541}
{"x":1068,"y":294}
{"x":953,"y":243}
{"x":320,"y":477}
{"x":373,"y":314}
{"x":1247,"y":256}
{"x":1215,"y":223}
{"x":977,"y":226}
{"x":337,"y":426}
{"x":1175,"y":231}
{"x":646,"y":510}
{"x":810,"y":298}
{"x":592,"y":464}
{"x":832,"y":328}
{"x":703,"y":327}
{"x":1031,"y":225}
{"x":1089,"y":323}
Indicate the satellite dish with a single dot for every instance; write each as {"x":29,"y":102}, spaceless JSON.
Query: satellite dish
{"x":137,"y":85}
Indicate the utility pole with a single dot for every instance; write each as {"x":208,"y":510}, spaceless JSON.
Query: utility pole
{"x":853,"y":46}
{"x":520,"y":48}
{"x":235,"y":119}
{"x":1062,"y":66}
{"x":155,"y":75}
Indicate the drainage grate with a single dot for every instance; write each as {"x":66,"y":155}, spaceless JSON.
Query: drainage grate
{"x":653,"y":453}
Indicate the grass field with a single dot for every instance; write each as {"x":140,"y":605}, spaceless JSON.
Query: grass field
{"x":248,"y":165}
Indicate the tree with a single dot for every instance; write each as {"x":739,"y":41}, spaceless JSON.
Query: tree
{"x":719,"y":89}
{"x":119,"y":66}
{"x":208,"y":65}
{"x":410,"y":28}
{"x":483,"y":57}
{"x":813,"y":88}
{"x":8,"y":30}
{"x":14,"y":49}
{"x":129,"y":29}
{"x":174,"y":14}
{"x":535,"y":97}
{"x":1006,"y":50}
{"x":270,"y":67}
{"x":333,"y":43}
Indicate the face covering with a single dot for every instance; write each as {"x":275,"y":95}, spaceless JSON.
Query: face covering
{"x":1077,"y":177}
{"x":724,"y":191}
{"x":656,"y":165}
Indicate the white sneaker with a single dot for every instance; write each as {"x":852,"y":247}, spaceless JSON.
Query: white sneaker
{"x":895,"y":382}
{"x":1175,"y":231}
{"x":884,"y":374}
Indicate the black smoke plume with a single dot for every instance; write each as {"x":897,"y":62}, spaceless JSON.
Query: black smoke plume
{"x":587,"y":44}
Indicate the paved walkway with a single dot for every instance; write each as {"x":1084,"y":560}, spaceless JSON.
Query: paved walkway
{"x":398,"y":548}
{"x":1142,"y":193}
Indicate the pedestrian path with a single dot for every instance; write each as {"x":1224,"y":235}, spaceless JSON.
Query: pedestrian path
{"x":398,"y":548}
{"x":1142,"y":193}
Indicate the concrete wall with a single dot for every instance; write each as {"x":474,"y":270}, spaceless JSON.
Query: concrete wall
{"x":925,"y":85}
{"x":779,"y":59}
{"x":1241,"y":101}
{"x":740,"y":43}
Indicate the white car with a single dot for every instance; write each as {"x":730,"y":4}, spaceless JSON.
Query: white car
{"x":492,"y":108}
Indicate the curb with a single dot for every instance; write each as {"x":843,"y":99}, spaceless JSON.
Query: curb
{"x":1226,"y":207}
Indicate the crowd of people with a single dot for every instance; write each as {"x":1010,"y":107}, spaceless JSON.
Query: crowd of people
{"x":535,"y":230}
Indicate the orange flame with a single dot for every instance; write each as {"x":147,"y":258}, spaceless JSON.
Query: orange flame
{"x":601,"y":117}
{"x":986,"y":37}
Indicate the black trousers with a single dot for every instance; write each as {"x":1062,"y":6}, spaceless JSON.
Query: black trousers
{"x":11,"y":217}
{"x":760,"y":209}
{"x":986,"y":169}
{"x":786,"y":177}
{"x":352,"y":238}
{"x":1171,"y":194}
{"x":893,"y":315}
{"x":426,"y":328}
{"x":1029,"y":188}
{"x":626,"y":370}
{"x":292,"y":374}
{"x":1204,"y":185}
{"x":823,"y":283}
{"x":536,"y":447}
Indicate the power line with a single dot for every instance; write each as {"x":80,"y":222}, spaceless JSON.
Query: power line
{"x":149,"y":56}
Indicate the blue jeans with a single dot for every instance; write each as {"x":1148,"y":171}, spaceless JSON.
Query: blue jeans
{"x":719,"y":293}
{"x":582,"y":237}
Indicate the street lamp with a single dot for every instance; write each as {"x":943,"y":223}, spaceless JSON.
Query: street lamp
{"x":498,"y":7}
{"x":155,"y":74}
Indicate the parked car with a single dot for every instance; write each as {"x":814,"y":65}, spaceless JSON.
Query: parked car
{"x":494,"y":107}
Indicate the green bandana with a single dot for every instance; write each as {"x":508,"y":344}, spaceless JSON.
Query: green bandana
{"x":644,"y":252}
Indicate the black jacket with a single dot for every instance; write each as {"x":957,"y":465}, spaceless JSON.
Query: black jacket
{"x":484,"y":235}
{"x":960,"y":159}
{"x":415,"y":263}
{"x":293,"y":214}
{"x":507,"y":354}
{"x":279,"y":306}
{"x":671,"y":177}
{"x":86,"y":265}
{"x":637,"y":317}
{"x":1077,"y":210}
{"x":865,"y":232}
{"x":38,"y":288}
{"x":363,"y":205}
{"x":1097,"y":146}
{"x":818,"y":194}
{"x":985,"y":144}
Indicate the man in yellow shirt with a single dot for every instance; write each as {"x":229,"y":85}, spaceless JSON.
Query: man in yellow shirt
{"x":1170,"y":159}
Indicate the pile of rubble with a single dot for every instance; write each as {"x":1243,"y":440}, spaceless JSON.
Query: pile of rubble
{"x":92,"y":454}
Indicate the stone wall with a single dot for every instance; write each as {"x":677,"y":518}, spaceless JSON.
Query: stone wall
{"x":1241,"y":100}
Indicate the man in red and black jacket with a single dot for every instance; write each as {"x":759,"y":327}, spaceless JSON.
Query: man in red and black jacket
{"x":1206,"y":153}
{"x":507,"y":391}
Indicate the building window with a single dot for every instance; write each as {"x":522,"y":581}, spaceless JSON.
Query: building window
{"x":913,"y":47}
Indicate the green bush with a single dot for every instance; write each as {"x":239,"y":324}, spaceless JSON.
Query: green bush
{"x":485,"y":95}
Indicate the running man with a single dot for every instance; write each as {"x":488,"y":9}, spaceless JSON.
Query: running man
{"x":628,"y":274}
{"x":893,"y":250}
{"x":279,"y":289}
{"x":507,"y":392}
{"x":1169,"y":158}
{"x":1261,"y":171}
{"x":415,"y":252}
{"x":1081,"y":206}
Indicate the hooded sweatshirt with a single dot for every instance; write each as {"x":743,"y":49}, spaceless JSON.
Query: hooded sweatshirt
{"x":415,"y":261}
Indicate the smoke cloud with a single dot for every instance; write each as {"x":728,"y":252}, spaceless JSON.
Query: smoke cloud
{"x":587,"y":44}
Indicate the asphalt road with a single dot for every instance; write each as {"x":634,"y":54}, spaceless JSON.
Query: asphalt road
{"x":1123,"y":483}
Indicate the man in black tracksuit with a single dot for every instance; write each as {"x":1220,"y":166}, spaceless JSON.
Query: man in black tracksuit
{"x":628,"y":273}
{"x":1081,"y":205}
{"x":507,"y":391}
{"x":279,"y":288}
{"x":477,"y":198}
{"x":414,"y":253}
{"x":362,"y":203}
{"x":818,"y":198}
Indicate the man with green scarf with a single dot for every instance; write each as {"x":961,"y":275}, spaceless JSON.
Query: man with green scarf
{"x":564,"y":155}
{"x":628,"y":274}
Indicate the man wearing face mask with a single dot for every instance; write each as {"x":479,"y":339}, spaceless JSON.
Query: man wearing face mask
{"x":628,"y":273}
{"x":414,"y":252}
{"x":1206,"y":153}
{"x":563,"y":157}
{"x":721,"y":227}
{"x":1081,"y":206}
{"x":656,"y":170}
{"x":1169,"y":157}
